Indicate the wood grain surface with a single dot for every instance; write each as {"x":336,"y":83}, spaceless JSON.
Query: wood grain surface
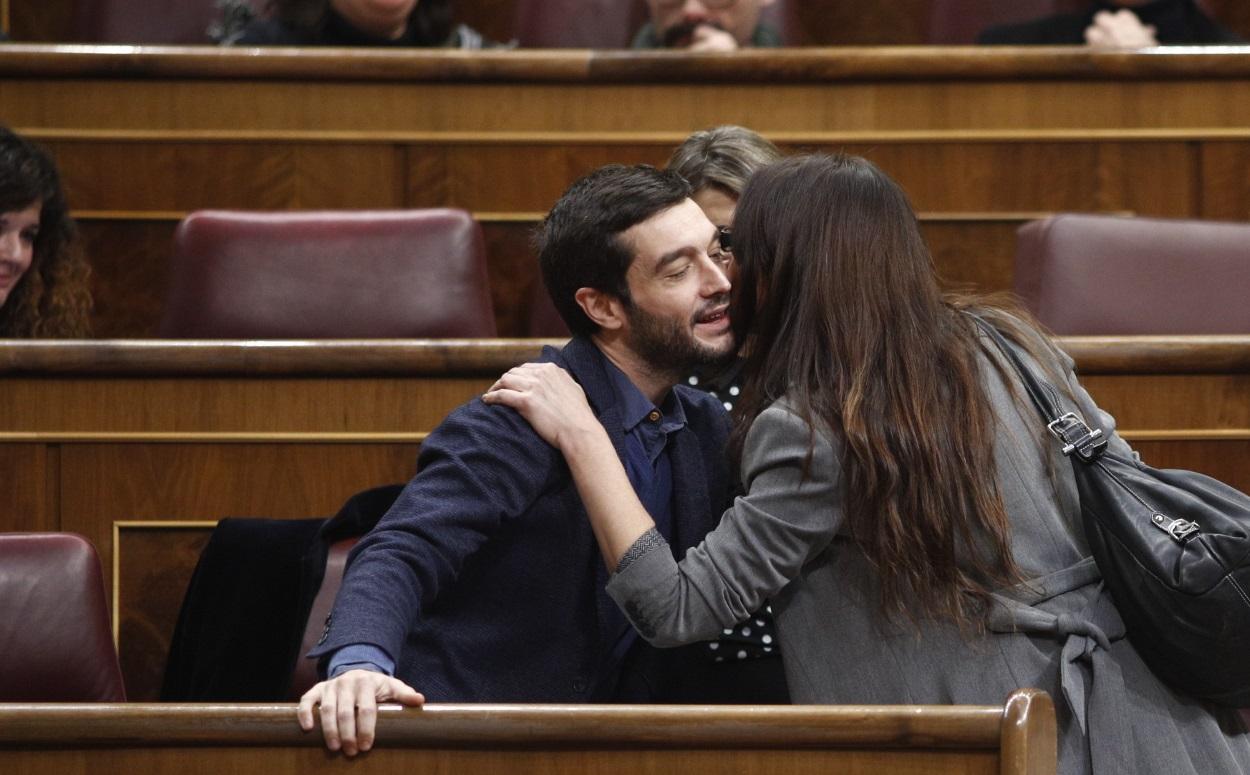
{"x":1017,"y":738}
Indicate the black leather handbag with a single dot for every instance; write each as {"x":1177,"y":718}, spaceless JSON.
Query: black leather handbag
{"x":1173,"y":548}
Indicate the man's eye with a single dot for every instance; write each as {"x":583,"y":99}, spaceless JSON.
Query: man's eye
{"x":680,"y":273}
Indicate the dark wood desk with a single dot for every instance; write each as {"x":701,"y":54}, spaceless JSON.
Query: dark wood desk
{"x":1017,"y":738}
{"x":983,"y":140}
{"x":142,"y":446}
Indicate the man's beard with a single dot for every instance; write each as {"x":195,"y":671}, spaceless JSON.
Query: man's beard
{"x":681,"y":34}
{"x":669,"y":347}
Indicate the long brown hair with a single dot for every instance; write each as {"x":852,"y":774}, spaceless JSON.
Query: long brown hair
{"x":838,"y":289}
{"x":53,"y":298}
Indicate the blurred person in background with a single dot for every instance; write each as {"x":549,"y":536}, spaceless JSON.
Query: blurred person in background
{"x":1118,"y":24}
{"x":44,"y":291}
{"x":707,"y":25}
{"x":398,"y":23}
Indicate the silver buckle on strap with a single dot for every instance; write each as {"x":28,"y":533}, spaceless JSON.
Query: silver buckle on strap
{"x":1180,"y":529}
{"x":1075,"y":434}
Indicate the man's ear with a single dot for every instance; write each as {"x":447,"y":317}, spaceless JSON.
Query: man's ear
{"x":604,"y":308}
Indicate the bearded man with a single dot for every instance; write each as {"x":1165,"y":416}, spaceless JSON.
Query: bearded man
{"x":707,"y":25}
{"x":484,"y":582}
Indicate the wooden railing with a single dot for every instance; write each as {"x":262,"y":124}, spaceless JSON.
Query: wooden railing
{"x":1017,"y":738}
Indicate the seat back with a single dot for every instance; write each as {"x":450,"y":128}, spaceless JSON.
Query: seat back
{"x":145,"y":21}
{"x":328,"y":275}
{"x":55,"y":642}
{"x":607,"y":23}
{"x":1106,"y":275}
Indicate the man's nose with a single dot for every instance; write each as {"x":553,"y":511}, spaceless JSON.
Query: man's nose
{"x":693,"y":9}
{"x":715,"y":282}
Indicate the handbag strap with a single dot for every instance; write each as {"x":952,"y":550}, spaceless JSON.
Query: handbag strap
{"x":1069,"y":427}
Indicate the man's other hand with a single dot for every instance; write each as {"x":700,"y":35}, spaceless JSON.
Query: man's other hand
{"x":1121,"y":29}
{"x":349,"y":707}
{"x":709,"y":38}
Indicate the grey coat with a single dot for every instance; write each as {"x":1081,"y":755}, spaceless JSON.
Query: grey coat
{"x":785,"y":541}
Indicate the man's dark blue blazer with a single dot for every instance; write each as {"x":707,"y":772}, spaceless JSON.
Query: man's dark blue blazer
{"x":484,"y":581}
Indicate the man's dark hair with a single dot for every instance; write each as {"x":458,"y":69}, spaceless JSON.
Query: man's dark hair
{"x":580,"y":244}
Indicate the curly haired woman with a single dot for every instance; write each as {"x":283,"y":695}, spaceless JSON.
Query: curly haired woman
{"x":44,"y":290}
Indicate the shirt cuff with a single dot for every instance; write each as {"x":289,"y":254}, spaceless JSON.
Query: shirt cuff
{"x":360,"y":656}
{"x":646,"y":542}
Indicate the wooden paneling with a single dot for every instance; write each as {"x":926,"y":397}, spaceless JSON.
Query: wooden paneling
{"x":1228,"y":461}
{"x":29,"y":473}
{"x":1226,"y":181}
{"x":976,"y":254}
{"x":1017,"y":738}
{"x":223,"y":405}
{"x":152,"y":580}
{"x":513,"y":268}
{"x":171,"y":176}
{"x":129,"y":273}
{"x":1191,"y":402}
{"x":1150,"y":178}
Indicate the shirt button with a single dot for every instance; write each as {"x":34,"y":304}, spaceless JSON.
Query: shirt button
{"x":654,"y":416}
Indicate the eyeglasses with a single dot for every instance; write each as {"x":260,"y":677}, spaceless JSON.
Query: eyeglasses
{"x":711,"y":5}
{"x":726,"y":239}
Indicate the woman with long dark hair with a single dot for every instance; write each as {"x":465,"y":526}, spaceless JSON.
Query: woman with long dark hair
{"x":44,"y":288}
{"x":919,"y":538}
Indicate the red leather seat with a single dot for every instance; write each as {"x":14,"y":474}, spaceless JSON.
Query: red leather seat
{"x":55,"y":641}
{"x":1106,"y":275}
{"x":328,"y":275}
{"x":145,"y":21}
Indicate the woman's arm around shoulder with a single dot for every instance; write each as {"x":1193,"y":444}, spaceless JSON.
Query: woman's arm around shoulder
{"x":789,"y":515}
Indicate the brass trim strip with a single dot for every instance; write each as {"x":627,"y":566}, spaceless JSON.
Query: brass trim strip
{"x":141,"y":437}
{"x":529,"y":218}
{"x":658,"y":138}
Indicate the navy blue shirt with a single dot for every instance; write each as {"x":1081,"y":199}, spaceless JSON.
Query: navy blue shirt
{"x":647,"y":430}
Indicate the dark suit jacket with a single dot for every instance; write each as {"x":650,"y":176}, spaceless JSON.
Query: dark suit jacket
{"x":484,"y":580}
